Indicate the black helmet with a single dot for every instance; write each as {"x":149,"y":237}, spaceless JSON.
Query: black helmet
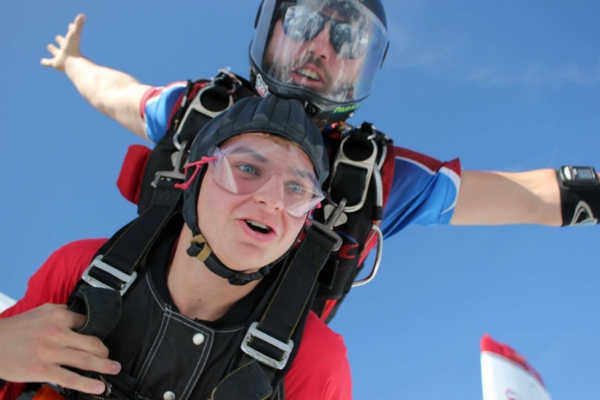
{"x":288,"y":55}
{"x":272,"y":115}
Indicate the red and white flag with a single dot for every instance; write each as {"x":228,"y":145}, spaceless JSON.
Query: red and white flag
{"x":506,"y":375}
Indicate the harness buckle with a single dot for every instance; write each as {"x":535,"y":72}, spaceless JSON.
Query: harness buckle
{"x":126,"y":280}
{"x":326,"y":228}
{"x":367,"y":164}
{"x":175,"y":175}
{"x":286,"y":348}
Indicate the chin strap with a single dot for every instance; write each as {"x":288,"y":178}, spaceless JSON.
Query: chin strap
{"x":200,"y":249}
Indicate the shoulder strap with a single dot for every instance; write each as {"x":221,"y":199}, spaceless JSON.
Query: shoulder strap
{"x":201,"y":101}
{"x":100,"y":292}
{"x":362,"y":170}
{"x":98,"y":295}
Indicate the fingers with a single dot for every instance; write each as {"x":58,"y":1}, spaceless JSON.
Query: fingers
{"x":71,"y":380}
{"x":88,"y":352}
{"x":73,"y":320}
{"x":52,"y":49}
{"x":55,"y":372}
{"x":68,"y":348}
{"x":68,"y":45}
{"x":86,"y":361}
{"x":70,"y":339}
{"x":36,"y":344}
{"x":79,"y":21}
{"x":76,"y":26}
{"x":89,"y":344}
{"x":46,"y":62}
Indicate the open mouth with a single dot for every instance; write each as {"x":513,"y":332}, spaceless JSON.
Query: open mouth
{"x":258,"y":227}
{"x":308,"y":74}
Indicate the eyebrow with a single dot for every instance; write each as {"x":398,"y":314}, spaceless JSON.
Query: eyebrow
{"x":264,"y":160}
{"x":305,"y":174}
{"x":257,"y":156}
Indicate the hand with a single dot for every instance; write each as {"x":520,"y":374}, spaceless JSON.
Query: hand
{"x":35,"y":345}
{"x":68,"y":46}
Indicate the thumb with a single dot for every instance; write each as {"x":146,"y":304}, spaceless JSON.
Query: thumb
{"x":79,"y":22}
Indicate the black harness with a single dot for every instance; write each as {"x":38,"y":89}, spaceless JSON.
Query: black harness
{"x":268,"y":344}
{"x":354,"y":207}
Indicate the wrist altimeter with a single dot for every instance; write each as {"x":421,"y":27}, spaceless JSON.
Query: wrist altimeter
{"x":579,"y":195}
{"x":583,"y":177}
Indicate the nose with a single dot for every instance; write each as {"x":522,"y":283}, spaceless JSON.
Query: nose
{"x":321,"y":44}
{"x":271,"y":193}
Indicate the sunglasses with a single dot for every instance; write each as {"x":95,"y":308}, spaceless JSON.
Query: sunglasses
{"x":349,"y":39}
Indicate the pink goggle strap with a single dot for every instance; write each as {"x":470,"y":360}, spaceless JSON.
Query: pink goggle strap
{"x":196,"y":165}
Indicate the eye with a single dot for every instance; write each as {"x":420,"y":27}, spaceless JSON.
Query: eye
{"x":248,"y":169}
{"x":299,"y":190}
{"x":296,"y":188}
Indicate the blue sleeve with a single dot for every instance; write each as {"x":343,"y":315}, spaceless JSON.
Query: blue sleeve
{"x":424,"y":192}
{"x":157,"y":106}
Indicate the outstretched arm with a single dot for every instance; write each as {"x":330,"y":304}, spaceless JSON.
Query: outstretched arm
{"x":37,"y":345}
{"x":112,"y":92}
{"x":497,"y":198}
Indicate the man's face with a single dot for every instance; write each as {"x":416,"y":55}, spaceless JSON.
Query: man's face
{"x":249,"y":231}
{"x":313,"y":63}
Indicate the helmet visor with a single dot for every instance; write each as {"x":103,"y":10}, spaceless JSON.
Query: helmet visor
{"x":247,"y":165}
{"x":331,"y":48}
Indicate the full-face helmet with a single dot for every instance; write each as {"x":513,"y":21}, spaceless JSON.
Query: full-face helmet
{"x":325,"y":53}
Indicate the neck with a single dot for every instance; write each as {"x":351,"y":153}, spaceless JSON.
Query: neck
{"x":195,"y":290}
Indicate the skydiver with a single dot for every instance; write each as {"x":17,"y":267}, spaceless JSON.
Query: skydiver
{"x":254,"y":178}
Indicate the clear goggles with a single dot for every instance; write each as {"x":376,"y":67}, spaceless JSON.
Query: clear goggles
{"x":252,"y":163}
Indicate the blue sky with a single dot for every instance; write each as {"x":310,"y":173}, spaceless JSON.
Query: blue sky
{"x":505,"y":86}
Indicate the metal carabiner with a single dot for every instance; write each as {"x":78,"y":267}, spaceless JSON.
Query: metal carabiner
{"x":377,"y":262}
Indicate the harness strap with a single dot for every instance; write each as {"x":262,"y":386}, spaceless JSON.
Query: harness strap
{"x":99,"y":306}
{"x":362,"y":170}
{"x":268,"y":343}
{"x":248,"y":381}
{"x":200,"y":102}
{"x":98,"y":294}
{"x":128,"y":251}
